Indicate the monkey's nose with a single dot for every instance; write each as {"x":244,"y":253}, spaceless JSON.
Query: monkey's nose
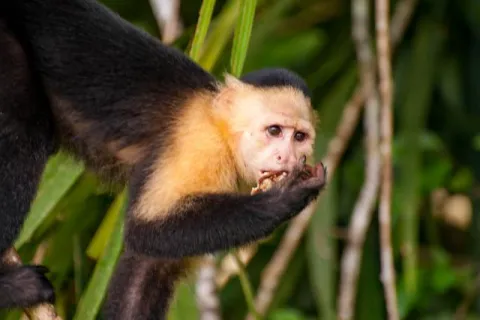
{"x":282,"y":159}
{"x":286,"y":161}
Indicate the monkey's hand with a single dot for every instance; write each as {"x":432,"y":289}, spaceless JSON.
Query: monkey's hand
{"x":306,"y":176}
{"x":300,"y":187}
{"x":25,"y":286}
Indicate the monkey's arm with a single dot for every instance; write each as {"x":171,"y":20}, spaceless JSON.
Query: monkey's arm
{"x":211,"y":222}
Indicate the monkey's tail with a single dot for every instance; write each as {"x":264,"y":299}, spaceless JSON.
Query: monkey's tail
{"x":142,"y":287}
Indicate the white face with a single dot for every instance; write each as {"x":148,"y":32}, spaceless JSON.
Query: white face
{"x":271,"y":146}
{"x":273,"y":129}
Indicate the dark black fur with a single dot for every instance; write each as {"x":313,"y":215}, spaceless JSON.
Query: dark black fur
{"x":24,"y":286}
{"x":141,"y":287}
{"x":92,"y":79}
{"x":26,"y":141}
{"x":96,"y":65}
{"x":277,"y":77}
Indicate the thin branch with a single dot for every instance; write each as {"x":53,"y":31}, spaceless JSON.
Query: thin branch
{"x":229,"y":266}
{"x":363,"y":209}
{"x":247,"y":289}
{"x":336,"y":147}
{"x":40,"y":312}
{"x":385,"y":89}
{"x":207,"y":299}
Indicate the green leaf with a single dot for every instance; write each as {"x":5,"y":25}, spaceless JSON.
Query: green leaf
{"x":60,"y":174}
{"x":59,"y":254}
{"x":221,"y":32}
{"x":102,"y":236}
{"x":425,"y":55}
{"x":275,"y":52}
{"x":462,"y":180}
{"x":443,"y":274}
{"x":246,"y":287}
{"x":369,"y":300}
{"x":242,"y":36}
{"x":333,"y":63}
{"x":92,"y":298}
{"x":269,"y":21}
{"x":286,"y":314}
{"x":205,"y":16}
{"x":184,"y":303}
{"x":476,"y":142}
{"x":321,"y":252}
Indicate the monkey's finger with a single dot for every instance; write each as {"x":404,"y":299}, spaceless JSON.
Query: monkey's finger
{"x":320,"y":171}
{"x":318,"y":180}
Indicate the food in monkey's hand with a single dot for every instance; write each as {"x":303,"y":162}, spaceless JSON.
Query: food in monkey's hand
{"x":269,"y":179}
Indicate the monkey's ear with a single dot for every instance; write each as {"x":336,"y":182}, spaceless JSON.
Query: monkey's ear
{"x":223,"y":102}
{"x":233,"y":82}
{"x":225,"y":97}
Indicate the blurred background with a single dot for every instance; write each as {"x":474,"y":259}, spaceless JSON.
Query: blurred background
{"x":75,"y":223}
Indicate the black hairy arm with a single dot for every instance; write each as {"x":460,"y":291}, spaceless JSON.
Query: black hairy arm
{"x":211,"y":222}
{"x":26,"y":141}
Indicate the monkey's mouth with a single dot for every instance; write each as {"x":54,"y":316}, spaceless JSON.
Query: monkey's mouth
{"x":268,"y":179}
{"x":272,"y":175}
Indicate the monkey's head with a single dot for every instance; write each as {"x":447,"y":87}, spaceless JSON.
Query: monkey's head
{"x":270,"y":119}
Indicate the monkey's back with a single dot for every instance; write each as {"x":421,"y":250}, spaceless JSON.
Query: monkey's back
{"x":113,"y":93}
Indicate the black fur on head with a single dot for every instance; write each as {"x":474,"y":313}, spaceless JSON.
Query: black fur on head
{"x":276,"y":77}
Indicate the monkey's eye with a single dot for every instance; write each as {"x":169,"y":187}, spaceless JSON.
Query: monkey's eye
{"x":300,"y":136}
{"x":274,"y":130}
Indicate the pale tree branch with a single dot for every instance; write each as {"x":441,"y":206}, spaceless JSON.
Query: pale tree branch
{"x":336,"y":147}
{"x":229,"y":266}
{"x":43,"y":311}
{"x":385,"y":90}
{"x":206,"y":291}
{"x":166,"y":13}
{"x":364,"y":207}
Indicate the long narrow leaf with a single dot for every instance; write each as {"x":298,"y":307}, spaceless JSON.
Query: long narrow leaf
{"x":242,"y":36}
{"x":60,"y":174}
{"x":221,"y":32}
{"x":424,"y":59}
{"x":100,"y":240}
{"x":184,"y":303}
{"x":205,"y":16}
{"x":93,"y":297}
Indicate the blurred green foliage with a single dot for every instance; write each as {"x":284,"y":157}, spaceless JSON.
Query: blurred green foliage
{"x":75,"y":224}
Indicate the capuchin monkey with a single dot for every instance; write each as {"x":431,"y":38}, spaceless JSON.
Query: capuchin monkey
{"x":74,"y":75}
